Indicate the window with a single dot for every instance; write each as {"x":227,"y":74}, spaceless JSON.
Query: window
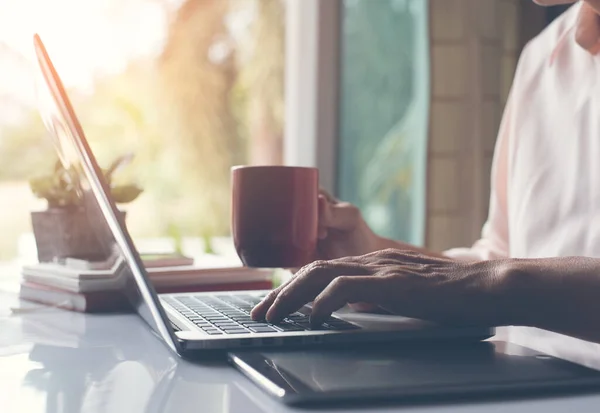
{"x":383,"y":114}
{"x":189,"y":87}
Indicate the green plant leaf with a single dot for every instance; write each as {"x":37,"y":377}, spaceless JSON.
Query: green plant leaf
{"x":125,"y":193}
{"x":61,"y":187}
{"x":118,"y":164}
{"x":57,"y":194}
{"x":42,"y":186}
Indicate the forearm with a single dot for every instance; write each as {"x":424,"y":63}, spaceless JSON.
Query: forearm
{"x":556,"y":294}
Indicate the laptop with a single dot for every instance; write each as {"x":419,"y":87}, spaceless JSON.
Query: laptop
{"x":189,"y":323}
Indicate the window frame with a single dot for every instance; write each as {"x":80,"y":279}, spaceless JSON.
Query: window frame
{"x":312,"y":71}
{"x":312,"y":95}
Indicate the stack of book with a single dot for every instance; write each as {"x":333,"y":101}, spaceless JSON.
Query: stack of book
{"x":96,"y":287}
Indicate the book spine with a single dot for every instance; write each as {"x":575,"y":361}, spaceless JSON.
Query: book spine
{"x":97,"y":302}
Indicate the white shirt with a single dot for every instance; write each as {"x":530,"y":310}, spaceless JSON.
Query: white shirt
{"x":545,"y":189}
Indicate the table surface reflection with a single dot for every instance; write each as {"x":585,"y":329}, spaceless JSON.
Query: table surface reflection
{"x":64,"y":362}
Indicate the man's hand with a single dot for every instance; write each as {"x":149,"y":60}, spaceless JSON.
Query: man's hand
{"x":344,"y":233}
{"x":342,"y":230}
{"x":405,"y":283}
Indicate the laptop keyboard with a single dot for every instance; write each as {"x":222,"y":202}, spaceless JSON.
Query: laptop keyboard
{"x":230,"y":314}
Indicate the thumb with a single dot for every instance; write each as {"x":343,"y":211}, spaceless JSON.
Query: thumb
{"x":341,"y":216}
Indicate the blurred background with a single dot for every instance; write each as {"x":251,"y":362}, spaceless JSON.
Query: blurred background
{"x":189,"y":87}
{"x":192,"y":87}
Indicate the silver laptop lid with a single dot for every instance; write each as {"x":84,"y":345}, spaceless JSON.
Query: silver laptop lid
{"x":102,"y":214}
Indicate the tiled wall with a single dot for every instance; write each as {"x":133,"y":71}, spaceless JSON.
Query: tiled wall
{"x":474,"y":50}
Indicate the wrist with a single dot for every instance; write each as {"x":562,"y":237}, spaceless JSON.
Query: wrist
{"x":372,"y":241}
{"x":377,"y":242}
{"x":515,"y":291}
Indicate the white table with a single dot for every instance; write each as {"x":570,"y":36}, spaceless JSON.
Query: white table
{"x":58,"y":361}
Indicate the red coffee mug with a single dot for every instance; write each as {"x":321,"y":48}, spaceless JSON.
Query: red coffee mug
{"x":275,"y":215}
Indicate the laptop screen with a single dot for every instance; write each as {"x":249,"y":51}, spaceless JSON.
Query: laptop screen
{"x":101,"y":212}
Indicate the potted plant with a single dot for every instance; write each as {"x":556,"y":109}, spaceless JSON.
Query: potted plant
{"x":63,"y":230}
